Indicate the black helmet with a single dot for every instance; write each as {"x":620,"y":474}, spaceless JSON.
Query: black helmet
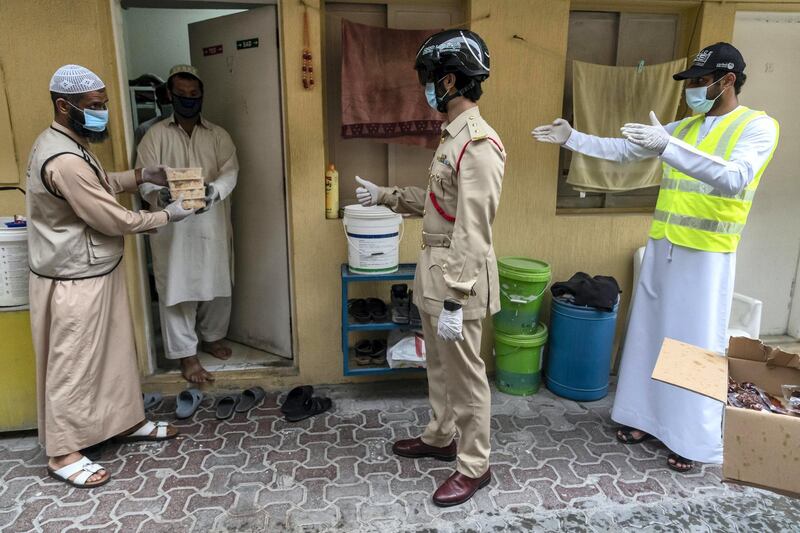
{"x":452,"y":51}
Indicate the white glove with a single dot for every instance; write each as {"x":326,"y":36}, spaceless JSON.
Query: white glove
{"x":156,"y":195}
{"x":653,"y":137}
{"x":176,"y":212}
{"x":212,"y":197}
{"x":156,"y":175}
{"x":368,"y":193}
{"x":451,"y":324}
{"x":556,"y":133}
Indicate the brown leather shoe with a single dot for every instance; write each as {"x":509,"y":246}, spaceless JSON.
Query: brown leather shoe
{"x":459,"y":488}
{"x":415,"y":448}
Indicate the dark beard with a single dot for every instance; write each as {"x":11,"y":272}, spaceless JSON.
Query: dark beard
{"x":77,"y":126}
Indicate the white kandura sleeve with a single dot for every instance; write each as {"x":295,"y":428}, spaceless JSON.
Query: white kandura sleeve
{"x":752,"y":151}
{"x":611,"y":148}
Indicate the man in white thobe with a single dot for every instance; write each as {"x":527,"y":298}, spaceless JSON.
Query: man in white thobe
{"x":193,"y":262}
{"x":713,"y":162}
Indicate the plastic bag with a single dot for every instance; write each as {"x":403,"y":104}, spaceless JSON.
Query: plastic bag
{"x":406,"y":349}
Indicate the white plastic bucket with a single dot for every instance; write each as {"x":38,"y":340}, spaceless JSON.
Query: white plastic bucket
{"x":373,"y":239}
{"x":13,"y":264}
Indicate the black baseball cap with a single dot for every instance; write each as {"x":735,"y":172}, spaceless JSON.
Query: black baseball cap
{"x":719,"y":56}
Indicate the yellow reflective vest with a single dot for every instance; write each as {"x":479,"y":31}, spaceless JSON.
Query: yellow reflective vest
{"x":692,"y":213}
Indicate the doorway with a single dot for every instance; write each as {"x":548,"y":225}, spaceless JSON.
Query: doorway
{"x":236,"y":54}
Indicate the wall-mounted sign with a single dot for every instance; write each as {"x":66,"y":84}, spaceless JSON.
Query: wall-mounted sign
{"x":212,"y":50}
{"x":247,"y":43}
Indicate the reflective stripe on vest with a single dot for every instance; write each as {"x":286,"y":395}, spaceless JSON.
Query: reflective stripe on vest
{"x":699,"y":187}
{"x":716,"y":226}
{"x":692,"y":213}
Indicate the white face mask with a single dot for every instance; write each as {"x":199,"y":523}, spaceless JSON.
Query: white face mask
{"x":697,"y":98}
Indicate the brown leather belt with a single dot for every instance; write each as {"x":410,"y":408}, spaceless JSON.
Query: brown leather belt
{"x":435,"y":240}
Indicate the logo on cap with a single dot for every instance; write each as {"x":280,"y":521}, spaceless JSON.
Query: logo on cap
{"x":703,"y":57}
{"x":728,"y":66}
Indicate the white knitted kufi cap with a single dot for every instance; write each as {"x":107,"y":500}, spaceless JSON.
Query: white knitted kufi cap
{"x":75,"y":79}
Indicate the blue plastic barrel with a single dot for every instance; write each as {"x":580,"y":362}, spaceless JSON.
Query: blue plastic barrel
{"x":579,"y":361}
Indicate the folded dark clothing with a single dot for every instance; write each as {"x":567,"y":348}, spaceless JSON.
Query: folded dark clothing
{"x":600,"y":292}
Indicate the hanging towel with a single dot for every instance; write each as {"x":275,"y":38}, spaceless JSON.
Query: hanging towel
{"x":600,"y":292}
{"x":381,"y":95}
{"x":605,"y":98}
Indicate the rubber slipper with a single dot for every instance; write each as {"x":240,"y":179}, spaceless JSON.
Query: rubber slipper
{"x":296,"y":398}
{"x":378,"y":311}
{"x":187,"y":403}
{"x":673,"y":459}
{"x":225,"y":407}
{"x":358,"y":310}
{"x":628,"y":438}
{"x":314,"y":406}
{"x":152,"y":400}
{"x":250,"y":398}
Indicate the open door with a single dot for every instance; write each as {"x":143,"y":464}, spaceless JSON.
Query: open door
{"x":237,"y":56}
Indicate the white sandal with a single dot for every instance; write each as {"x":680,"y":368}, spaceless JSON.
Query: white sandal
{"x":144,"y":433}
{"x":87,"y":469}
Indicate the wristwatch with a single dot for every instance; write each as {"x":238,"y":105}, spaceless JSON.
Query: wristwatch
{"x":450,"y":305}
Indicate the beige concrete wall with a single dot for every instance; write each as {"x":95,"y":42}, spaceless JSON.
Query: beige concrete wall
{"x":37,"y":37}
{"x":525,"y":89}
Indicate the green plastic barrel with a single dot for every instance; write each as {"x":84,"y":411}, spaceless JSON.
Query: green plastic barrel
{"x":523,"y":282}
{"x":518,"y":361}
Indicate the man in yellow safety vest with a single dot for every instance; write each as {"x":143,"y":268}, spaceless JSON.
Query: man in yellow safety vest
{"x":712,"y":164}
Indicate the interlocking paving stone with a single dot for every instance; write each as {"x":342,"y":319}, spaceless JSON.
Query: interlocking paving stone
{"x":556,"y":467}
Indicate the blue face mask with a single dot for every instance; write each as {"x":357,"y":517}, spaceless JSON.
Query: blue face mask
{"x":697,"y":98}
{"x":94,"y":119}
{"x":430,"y":95}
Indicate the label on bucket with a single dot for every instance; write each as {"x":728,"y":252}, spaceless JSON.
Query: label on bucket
{"x":373,"y":253}
{"x":13,"y":273}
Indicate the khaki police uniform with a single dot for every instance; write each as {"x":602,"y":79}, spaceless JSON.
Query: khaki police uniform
{"x":458,"y":263}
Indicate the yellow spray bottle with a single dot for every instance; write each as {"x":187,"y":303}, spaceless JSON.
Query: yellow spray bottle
{"x":331,"y":192}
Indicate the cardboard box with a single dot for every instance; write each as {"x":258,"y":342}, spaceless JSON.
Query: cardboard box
{"x":760,"y":448}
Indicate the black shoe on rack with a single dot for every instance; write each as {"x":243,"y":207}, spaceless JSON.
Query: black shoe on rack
{"x":400,"y":304}
{"x":415,"y":320}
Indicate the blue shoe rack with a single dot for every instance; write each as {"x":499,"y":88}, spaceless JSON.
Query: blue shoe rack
{"x":349,"y":365}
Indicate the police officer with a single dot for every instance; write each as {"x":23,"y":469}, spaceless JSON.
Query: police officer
{"x":456,"y":284}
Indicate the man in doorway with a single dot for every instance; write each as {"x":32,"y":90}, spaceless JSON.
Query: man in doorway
{"x":456,"y":285}
{"x":87,"y":377}
{"x":193,"y":262}
{"x":713,"y":162}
